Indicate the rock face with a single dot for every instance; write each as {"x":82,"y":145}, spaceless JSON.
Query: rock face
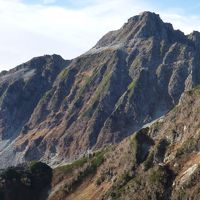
{"x":161,"y":161}
{"x":55,"y":110}
{"x":21,"y":90}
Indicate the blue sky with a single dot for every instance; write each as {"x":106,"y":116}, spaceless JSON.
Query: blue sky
{"x":62,"y":3}
{"x":32,"y":28}
{"x":188,"y":7}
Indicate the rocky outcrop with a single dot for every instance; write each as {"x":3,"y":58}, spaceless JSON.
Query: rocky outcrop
{"x":131,"y":77}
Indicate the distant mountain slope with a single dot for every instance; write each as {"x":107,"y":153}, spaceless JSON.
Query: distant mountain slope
{"x":21,"y":89}
{"x":57,"y":110}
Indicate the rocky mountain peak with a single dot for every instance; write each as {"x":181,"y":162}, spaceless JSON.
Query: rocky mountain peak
{"x":149,"y":24}
{"x":195,"y":37}
{"x":131,"y":77}
{"x":145,"y":17}
{"x":140,"y":81}
{"x":140,"y":27}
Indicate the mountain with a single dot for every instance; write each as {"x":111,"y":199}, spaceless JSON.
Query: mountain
{"x":160,"y":161}
{"x":55,"y":110}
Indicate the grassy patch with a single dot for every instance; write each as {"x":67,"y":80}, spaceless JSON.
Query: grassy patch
{"x":131,"y":86}
{"x":187,"y":147}
{"x":76,"y":164}
{"x":46,"y":96}
{"x":136,"y":62}
{"x":148,"y":163}
{"x":158,"y":176}
{"x":195,"y":89}
{"x":63,"y":74}
{"x":77,"y":172}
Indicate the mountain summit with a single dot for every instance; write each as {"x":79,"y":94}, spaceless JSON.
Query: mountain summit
{"x":142,"y":26}
{"x":55,"y":110}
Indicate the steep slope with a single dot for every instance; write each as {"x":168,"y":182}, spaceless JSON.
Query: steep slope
{"x":21,"y":89}
{"x":131,"y":77}
{"x":160,"y":161}
{"x":165,"y":164}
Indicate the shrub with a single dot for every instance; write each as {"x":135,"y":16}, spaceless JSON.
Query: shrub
{"x":10,"y":174}
{"x":158,"y":176}
{"x":148,"y":163}
{"x":100,"y":180}
{"x":188,"y":147}
{"x":41,"y":174}
{"x":140,"y":145}
{"x":76,"y":164}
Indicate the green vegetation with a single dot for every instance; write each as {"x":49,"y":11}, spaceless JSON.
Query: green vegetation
{"x":103,"y":86}
{"x":152,"y":184}
{"x":195,"y":89}
{"x":45,"y":97}
{"x":64,"y":73}
{"x":98,"y":159}
{"x":11,"y":174}
{"x":140,"y":143}
{"x":131,"y":86}
{"x":41,"y":175}
{"x":38,"y":168}
{"x":100,"y":180}
{"x":175,"y":109}
{"x":134,"y":148}
{"x":187,"y":147}
{"x":76,"y":164}
{"x":136,"y":62}
{"x":123,"y":185}
{"x":79,"y":170}
{"x":29,"y":180}
{"x":95,"y":162}
{"x":148,"y":163}
{"x":158,"y":176}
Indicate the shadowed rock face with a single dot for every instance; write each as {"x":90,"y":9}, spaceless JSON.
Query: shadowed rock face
{"x":55,"y":110}
{"x":28,"y":181}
